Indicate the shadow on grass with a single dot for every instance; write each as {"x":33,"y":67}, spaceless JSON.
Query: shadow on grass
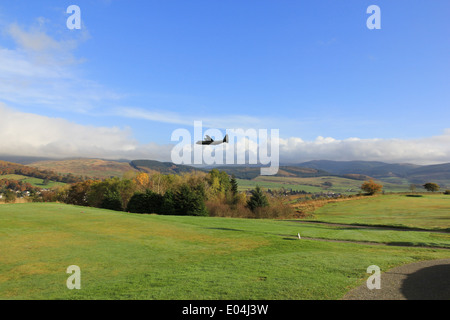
{"x":226,"y":229}
{"x":416,"y":245}
{"x":432,"y":283}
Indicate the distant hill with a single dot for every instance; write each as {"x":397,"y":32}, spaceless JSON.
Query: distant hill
{"x":10,"y":170}
{"x":91,"y":168}
{"x":358,"y":170}
{"x":240,"y":171}
{"x":22,"y":160}
{"x":368,"y":168}
{"x":413,"y":173}
{"x":162,"y":167}
{"x":243,"y":172}
{"x":432,"y":173}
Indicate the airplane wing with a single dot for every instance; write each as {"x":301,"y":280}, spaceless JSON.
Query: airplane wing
{"x":208,"y":138}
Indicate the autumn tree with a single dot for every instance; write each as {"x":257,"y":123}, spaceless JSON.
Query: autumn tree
{"x":430,"y":186}
{"x":370,"y":187}
{"x":142,"y":181}
{"x":78,"y":193}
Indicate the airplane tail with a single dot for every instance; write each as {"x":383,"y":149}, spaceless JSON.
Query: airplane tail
{"x":225,"y":140}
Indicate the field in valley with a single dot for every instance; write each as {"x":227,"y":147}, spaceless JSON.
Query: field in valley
{"x":318,"y":184}
{"x":36,"y":182}
{"x":132,"y":256}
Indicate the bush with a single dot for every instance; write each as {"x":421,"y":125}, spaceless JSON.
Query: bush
{"x":447,"y":192}
{"x":148,"y":202}
{"x":220,"y":209}
{"x":10,"y":196}
{"x":370,"y":187}
{"x":430,"y":186}
{"x":168,"y":203}
{"x":111,"y":201}
{"x":257,"y":200}
{"x":190,"y":202}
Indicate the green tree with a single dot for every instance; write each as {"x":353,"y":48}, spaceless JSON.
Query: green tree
{"x":189,"y":201}
{"x":168,"y":203}
{"x":78,"y":193}
{"x":219,"y":181}
{"x":430,"y":186}
{"x":258,"y":199}
{"x":10,"y":196}
{"x":113,"y":189}
{"x":112,"y":201}
{"x":148,"y":202}
{"x":234,"y":185}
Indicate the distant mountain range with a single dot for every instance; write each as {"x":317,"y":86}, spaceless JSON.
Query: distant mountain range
{"x":240,"y":171}
{"x":413,"y":173}
{"x":350,"y":169}
{"x":407,"y":173}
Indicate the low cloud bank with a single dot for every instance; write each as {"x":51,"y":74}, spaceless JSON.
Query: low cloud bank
{"x":28,"y":134}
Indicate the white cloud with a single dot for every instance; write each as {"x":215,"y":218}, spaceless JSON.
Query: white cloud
{"x":29,"y":134}
{"x":43,"y":72}
{"x":219,"y":121}
{"x":428,"y":150}
{"x":37,"y":40}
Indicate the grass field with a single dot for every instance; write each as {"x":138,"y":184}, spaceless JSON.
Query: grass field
{"x":315,"y":184}
{"x":36,"y":182}
{"x":130,"y":256}
{"x":431,"y":211}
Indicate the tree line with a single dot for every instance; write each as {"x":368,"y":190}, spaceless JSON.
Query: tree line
{"x":10,"y":189}
{"x":195,"y":194}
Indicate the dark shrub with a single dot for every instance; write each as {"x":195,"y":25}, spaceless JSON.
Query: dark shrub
{"x":148,"y":202}
{"x":168,"y":204}
{"x":112,"y":201}
{"x":190,"y":202}
{"x":257,"y":200}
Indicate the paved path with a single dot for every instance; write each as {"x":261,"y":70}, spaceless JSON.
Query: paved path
{"x":427,"y":280}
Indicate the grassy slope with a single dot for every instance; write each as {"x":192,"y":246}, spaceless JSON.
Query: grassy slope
{"x":86,"y":167}
{"x":128,"y":256}
{"x":36,"y":182}
{"x":428,"y":212}
{"x":314,"y":184}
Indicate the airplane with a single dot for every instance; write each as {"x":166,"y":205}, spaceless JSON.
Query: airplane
{"x":209,"y":141}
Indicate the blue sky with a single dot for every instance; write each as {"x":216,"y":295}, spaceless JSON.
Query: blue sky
{"x":309,"y":68}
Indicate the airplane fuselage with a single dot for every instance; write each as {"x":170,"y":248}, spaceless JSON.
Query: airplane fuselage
{"x":211,"y":142}
{"x":208,"y":143}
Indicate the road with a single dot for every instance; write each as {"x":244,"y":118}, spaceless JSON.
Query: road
{"x":427,"y":280}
